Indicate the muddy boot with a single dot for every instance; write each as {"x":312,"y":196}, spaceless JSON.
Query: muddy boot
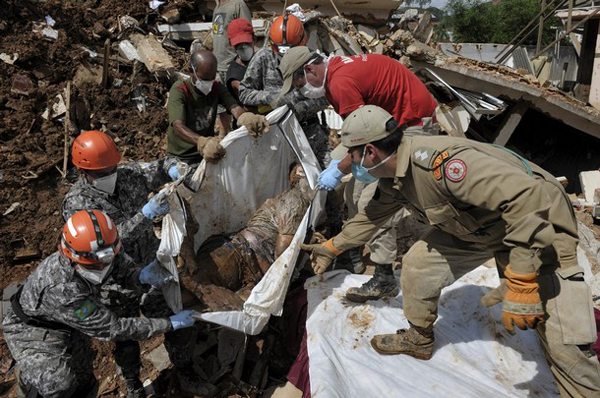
{"x":190,"y":383}
{"x":416,"y":342}
{"x":135,"y":388}
{"x":382,"y":284}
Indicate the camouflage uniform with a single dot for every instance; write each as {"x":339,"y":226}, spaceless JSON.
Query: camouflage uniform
{"x":56,"y":361}
{"x":261,"y":86}
{"x":135,"y":181}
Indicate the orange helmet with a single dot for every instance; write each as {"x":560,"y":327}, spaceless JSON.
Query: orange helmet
{"x":94,"y":150}
{"x":286,"y":31}
{"x":90,"y":237}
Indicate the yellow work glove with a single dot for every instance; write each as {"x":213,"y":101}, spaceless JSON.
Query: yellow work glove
{"x":321,"y":254}
{"x":522,"y":304}
{"x":257,"y":125}
{"x":210,"y":148}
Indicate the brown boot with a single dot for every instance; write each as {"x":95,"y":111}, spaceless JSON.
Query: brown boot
{"x":418,"y":344}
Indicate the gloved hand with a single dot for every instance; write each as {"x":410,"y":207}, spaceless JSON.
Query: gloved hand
{"x":322,"y":255}
{"x":331,"y":176}
{"x":183,"y":319}
{"x":210,"y":149}
{"x":155,"y":274}
{"x":522,"y":304}
{"x":174,"y":173}
{"x":257,"y":125}
{"x":157,"y":206}
{"x":494,"y":296}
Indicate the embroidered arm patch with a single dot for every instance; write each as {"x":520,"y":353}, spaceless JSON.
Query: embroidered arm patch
{"x":85,"y":310}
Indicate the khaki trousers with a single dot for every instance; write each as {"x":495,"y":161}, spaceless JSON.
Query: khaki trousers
{"x":383,"y":244}
{"x":438,"y":259}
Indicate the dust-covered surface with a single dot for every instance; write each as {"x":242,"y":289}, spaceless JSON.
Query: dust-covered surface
{"x":473,"y":353}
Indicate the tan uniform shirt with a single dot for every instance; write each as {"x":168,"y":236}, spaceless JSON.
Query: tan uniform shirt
{"x":479,"y":193}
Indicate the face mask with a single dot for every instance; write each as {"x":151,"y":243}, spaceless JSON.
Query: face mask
{"x":245,"y":52}
{"x":361,"y":173}
{"x":310,"y":91}
{"x":205,"y":86}
{"x":106,"y":184}
{"x":93,"y":276}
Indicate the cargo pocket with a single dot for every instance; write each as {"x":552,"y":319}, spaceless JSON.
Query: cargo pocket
{"x":574,"y":307}
{"x":447,"y":218}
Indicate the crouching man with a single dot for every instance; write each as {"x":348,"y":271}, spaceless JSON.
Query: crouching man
{"x":61,"y":305}
{"x":481,"y":202}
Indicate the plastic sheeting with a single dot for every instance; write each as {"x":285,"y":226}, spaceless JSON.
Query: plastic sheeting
{"x":226,"y":194}
{"x":473,"y":355}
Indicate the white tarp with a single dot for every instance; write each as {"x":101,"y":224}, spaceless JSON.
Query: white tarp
{"x":473,"y":355}
{"x":229,"y":192}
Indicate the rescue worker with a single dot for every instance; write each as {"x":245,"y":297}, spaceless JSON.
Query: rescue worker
{"x":263,"y":81}
{"x":61,"y":305}
{"x":482,"y":201}
{"x":193,"y":110}
{"x":241,"y":38}
{"x":119,"y":190}
{"x":349,"y":82}
{"x":225,"y":12}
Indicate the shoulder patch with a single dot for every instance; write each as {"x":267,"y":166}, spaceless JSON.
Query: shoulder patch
{"x":455,"y":170}
{"x":437,"y":170}
{"x":85,"y":310}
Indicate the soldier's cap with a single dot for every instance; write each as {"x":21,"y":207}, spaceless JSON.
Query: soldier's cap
{"x":366,"y":124}
{"x":293,"y":59}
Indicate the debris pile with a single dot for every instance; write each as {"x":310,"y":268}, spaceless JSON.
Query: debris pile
{"x":66,"y":67}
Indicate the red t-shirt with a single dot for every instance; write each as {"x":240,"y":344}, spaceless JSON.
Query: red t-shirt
{"x":374,"y":79}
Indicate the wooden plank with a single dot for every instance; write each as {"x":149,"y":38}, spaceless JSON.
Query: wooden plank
{"x":510,"y":122}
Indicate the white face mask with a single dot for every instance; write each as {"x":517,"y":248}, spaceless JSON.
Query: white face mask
{"x":205,"y":86}
{"x":93,"y":276}
{"x":310,"y":91}
{"x":106,"y":184}
{"x":245,"y":52}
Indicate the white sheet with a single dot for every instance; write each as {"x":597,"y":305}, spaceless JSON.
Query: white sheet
{"x":473,"y":355}
{"x":230,"y":191}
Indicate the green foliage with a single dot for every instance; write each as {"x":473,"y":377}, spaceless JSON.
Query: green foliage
{"x":473,"y":21}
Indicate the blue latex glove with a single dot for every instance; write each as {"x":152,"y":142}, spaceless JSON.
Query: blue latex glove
{"x":183,"y":319}
{"x":155,"y":274}
{"x":174,"y":173}
{"x":331,"y":176}
{"x":157,"y":206}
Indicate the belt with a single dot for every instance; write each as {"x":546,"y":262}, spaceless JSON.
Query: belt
{"x":31,"y":321}
{"x":419,"y":122}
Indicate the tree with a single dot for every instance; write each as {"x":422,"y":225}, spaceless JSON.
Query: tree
{"x":473,"y":21}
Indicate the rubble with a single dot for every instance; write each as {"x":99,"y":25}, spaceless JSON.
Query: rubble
{"x":146,"y":52}
{"x":22,"y":85}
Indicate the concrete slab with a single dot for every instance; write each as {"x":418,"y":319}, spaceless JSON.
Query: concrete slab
{"x":590,"y":181}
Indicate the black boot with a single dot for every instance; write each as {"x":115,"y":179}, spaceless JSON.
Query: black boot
{"x":383,"y":284}
{"x":351,"y":260}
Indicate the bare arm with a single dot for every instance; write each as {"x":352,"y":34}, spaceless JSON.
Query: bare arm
{"x":283,"y":241}
{"x":184,"y":132}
